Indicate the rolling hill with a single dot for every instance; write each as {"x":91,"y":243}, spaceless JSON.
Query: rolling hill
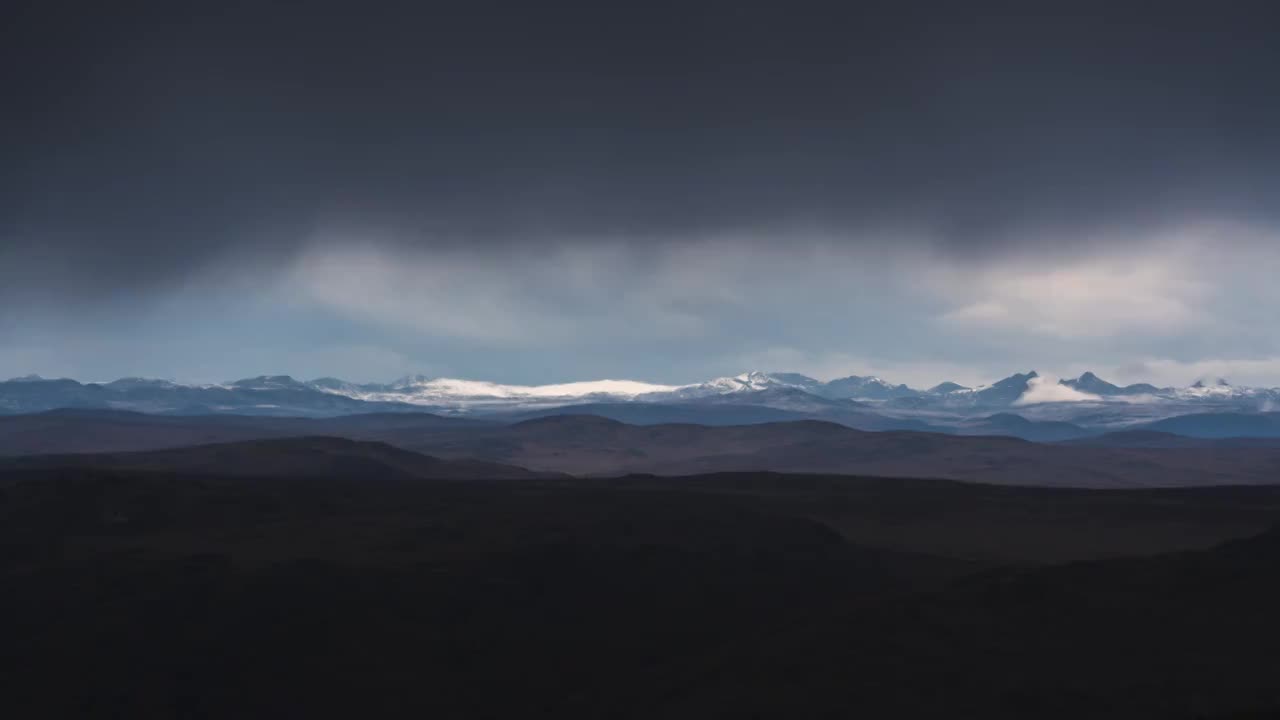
{"x":597,"y":446}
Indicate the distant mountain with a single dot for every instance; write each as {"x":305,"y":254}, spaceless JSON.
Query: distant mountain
{"x":1142,"y":389}
{"x":795,"y":380}
{"x":1005,"y":392}
{"x":1157,"y":439}
{"x":267,"y":395}
{"x":449,"y":391}
{"x":1010,"y":425}
{"x":864,"y":402}
{"x":749,"y":382}
{"x":866,"y":388}
{"x":777,"y":396}
{"x":777,"y":404}
{"x":1220,"y":425}
{"x":1094,"y":385}
{"x":665,"y":413}
{"x":269,"y":383}
{"x":1000,"y":394}
{"x":1139,"y":439}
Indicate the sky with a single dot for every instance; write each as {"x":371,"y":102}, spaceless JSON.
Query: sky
{"x":546,"y":192}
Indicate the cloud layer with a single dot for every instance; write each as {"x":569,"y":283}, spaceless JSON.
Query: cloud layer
{"x":582,"y":190}
{"x":1043,"y":389}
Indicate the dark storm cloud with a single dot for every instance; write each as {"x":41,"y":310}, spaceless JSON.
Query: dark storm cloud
{"x":143,"y":141}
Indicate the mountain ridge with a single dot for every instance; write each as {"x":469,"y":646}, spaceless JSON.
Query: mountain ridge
{"x":863,"y":402}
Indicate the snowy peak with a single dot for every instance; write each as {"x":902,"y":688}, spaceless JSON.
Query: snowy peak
{"x":1216,"y":389}
{"x":284,"y":395}
{"x":866,"y":388}
{"x":757,"y":380}
{"x":331,"y":384}
{"x":853,"y":387}
{"x":745,"y":382}
{"x":753,"y":381}
{"x":794,"y":380}
{"x":420,"y":390}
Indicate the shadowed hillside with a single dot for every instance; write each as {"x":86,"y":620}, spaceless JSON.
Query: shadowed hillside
{"x":1187,"y":635}
{"x":288,"y":457}
{"x":588,"y":445}
{"x":596,"y":446}
{"x":105,"y":431}
{"x":345,"y":583}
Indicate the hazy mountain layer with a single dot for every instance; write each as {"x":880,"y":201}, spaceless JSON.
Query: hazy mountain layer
{"x":1025,"y":405}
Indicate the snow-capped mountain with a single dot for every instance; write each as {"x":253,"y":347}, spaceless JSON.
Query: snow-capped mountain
{"x":1208,"y":390}
{"x":866,"y":388}
{"x":862,"y":401}
{"x":420,"y":390}
{"x":748,"y":382}
{"x":853,"y":387}
{"x":1216,"y":388}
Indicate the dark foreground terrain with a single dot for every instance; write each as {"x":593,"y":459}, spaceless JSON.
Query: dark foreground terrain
{"x":320,"y":577}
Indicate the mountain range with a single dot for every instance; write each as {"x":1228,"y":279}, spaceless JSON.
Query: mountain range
{"x":1025,"y":405}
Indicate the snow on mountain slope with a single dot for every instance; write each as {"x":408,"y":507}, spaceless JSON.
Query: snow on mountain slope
{"x":457,"y":392}
{"x":447,"y":391}
{"x":755,"y":380}
{"x":1218,"y":388}
{"x":1094,"y":402}
{"x":866,"y":388}
{"x":748,"y":382}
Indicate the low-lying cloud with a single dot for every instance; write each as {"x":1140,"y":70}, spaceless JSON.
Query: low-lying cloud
{"x":1048,"y":390}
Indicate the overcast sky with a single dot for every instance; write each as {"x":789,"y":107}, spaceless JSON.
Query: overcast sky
{"x":540,"y":192}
